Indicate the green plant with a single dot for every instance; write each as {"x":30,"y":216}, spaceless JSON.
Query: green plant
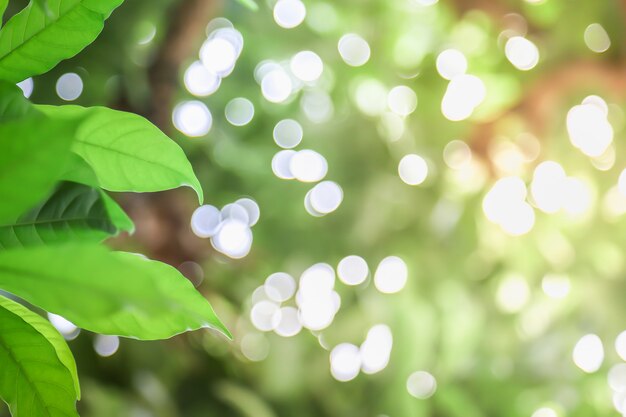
{"x":55,"y":165}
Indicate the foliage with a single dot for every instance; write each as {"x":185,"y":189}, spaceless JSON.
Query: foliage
{"x":39,"y":374}
{"x":55,"y":163}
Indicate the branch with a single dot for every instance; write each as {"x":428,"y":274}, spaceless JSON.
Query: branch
{"x":187,"y":28}
{"x":162,"y":218}
{"x":544,"y":99}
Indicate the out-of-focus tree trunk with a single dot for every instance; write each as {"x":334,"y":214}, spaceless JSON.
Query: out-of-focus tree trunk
{"x":162,"y":219}
{"x":188,"y":23}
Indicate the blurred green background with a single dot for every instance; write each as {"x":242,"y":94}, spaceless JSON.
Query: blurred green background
{"x":514,"y":297}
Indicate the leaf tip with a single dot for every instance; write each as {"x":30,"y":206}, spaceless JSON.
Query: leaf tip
{"x":198,"y":189}
{"x":220,"y":327}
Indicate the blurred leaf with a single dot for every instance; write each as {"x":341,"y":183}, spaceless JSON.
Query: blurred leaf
{"x":79,"y":171}
{"x":245,"y":401}
{"x":31,"y":161}
{"x":107,"y":292}
{"x":38,"y":371}
{"x":43,"y":4}
{"x":73,"y":212}
{"x":33,"y":41}
{"x":127,"y":152}
{"x":13,"y":104}
{"x":3,"y":7}
{"x":455,"y":402}
{"x":250,"y":4}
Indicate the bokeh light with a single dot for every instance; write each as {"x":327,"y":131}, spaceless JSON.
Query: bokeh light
{"x":325,"y":197}
{"x":589,"y":129}
{"x":192,"y":118}
{"x":556,"y":286}
{"x":421,"y":384}
{"x":106,"y":345}
{"x":345,"y":362}
{"x":68,"y":330}
{"x":464,"y":93}
{"x":522,"y":53}
{"x":289,"y":324}
{"x":199,"y":81}
{"x":544,"y":412}
{"x":457,"y":155}
{"x":505,"y":206}
{"x":276,"y":86}
{"x":402,"y":100}
{"x":391,"y":275}
{"x":307,"y":66}
{"x":265,"y":315}
{"x":239,"y":111}
{"x":352,"y":270}
{"x":596,"y":38}
{"x":218,"y":55}
{"x":308,"y":166}
{"x":376,"y":349}
{"x":451,"y":63}
{"x":413,"y":169}
{"x":281,"y":164}
{"x":206,"y":220}
{"x":27,"y":86}
{"x":588,"y":353}
{"x":280,"y":286}
{"x":69,"y":86}
{"x":288,"y":133}
{"x":289,"y":13}
{"x":354,"y":50}
{"x":234,"y":238}
{"x":255,"y":347}
{"x":513,"y":294}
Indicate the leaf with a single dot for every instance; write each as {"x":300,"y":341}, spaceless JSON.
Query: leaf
{"x":49,"y":332}
{"x":34,"y":41}
{"x":127,"y":152}
{"x":250,"y":4}
{"x":43,"y":4}
{"x":118,"y":217}
{"x":3,"y":7}
{"x":107,"y":292}
{"x":74,"y":212}
{"x":13,"y":104}
{"x":79,"y":171}
{"x":33,"y":152}
{"x":38,"y":377}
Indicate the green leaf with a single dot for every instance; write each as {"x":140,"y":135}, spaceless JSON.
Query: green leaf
{"x":74,"y":212}
{"x":79,"y":171}
{"x":117,"y":216}
{"x":13,"y":104}
{"x":3,"y":7}
{"x":33,"y":153}
{"x":107,"y":292}
{"x":127,"y":152}
{"x":49,"y":332}
{"x":250,"y":4}
{"x":43,"y":4}
{"x":38,"y":377}
{"x":34,"y":41}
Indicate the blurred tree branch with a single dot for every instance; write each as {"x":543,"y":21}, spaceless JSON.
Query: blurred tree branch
{"x":188,"y":22}
{"x":162,"y":218}
{"x":546,"y":96}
